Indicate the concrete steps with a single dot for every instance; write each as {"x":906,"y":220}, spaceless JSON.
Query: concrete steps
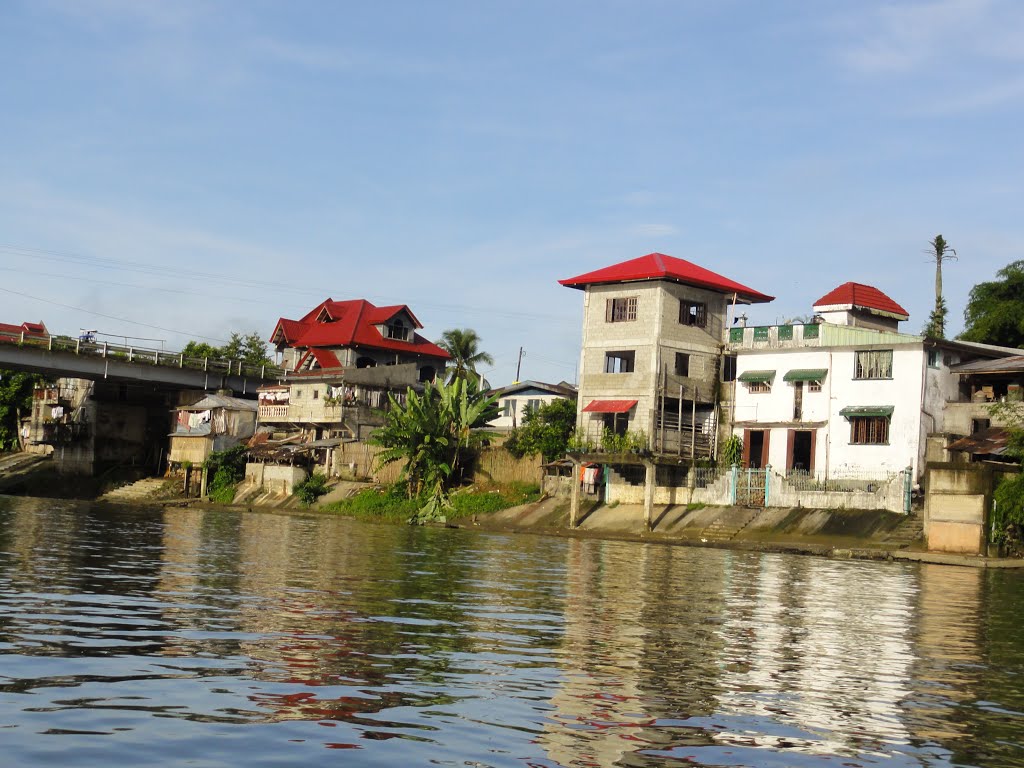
{"x":909,"y":531}
{"x":728,"y":524}
{"x":140,"y":490}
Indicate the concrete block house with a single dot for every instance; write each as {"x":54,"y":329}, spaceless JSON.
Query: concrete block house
{"x":341,"y":360}
{"x":846,"y":395}
{"x":515,"y":399}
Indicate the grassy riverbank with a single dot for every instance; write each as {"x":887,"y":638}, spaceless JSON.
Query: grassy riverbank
{"x":392,"y":505}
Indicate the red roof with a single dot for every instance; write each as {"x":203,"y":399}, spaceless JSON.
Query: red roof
{"x":609,"y":406}
{"x":37,"y":330}
{"x":860,"y":296}
{"x":338,"y":324}
{"x":325,"y":358}
{"x":658,"y":266}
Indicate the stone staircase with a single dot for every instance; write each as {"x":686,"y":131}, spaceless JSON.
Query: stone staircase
{"x":728,"y":524}
{"x":909,"y":531}
{"x":141,"y":490}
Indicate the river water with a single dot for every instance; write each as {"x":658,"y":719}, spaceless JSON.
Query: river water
{"x":138,"y":636}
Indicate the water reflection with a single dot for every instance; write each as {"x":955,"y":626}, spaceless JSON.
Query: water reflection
{"x":269,"y":638}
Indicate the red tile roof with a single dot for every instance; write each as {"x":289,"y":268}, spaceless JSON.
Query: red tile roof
{"x":860,"y":296}
{"x":338,"y":324}
{"x":658,"y":266}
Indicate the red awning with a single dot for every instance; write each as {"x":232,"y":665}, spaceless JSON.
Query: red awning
{"x":609,"y":406}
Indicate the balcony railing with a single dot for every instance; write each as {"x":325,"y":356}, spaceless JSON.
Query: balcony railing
{"x":273,"y":412}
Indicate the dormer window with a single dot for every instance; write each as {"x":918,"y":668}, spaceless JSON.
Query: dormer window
{"x":397,"y":329}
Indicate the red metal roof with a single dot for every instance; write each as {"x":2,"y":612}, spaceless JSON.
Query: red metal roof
{"x":860,"y":296}
{"x":351,"y":324}
{"x":609,"y":406}
{"x":31,"y":330}
{"x":325,"y":358}
{"x":658,"y":266}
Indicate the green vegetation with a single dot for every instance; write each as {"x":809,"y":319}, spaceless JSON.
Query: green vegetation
{"x":393,"y":504}
{"x":1007,"y":519}
{"x":545,"y":430}
{"x":731,"y":451}
{"x":463,"y":345}
{"x":15,"y":402}
{"x":633,"y":441}
{"x":250,"y":349}
{"x":226,"y":469}
{"x":312,"y":488}
{"x":995,"y":310}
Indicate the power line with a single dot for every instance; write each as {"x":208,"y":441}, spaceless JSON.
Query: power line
{"x":113,"y":317}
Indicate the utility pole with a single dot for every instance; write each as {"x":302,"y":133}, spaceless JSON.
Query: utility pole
{"x":519,"y":363}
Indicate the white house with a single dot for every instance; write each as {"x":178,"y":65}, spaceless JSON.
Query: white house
{"x":515,"y":399}
{"x":847,"y":394}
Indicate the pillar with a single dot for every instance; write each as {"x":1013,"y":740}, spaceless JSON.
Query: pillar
{"x":574,"y":505}
{"x":648,"y":493}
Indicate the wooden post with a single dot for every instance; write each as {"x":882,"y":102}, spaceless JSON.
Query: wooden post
{"x":574,"y":505}
{"x":679,"y":424}
{"x":648,"y":493}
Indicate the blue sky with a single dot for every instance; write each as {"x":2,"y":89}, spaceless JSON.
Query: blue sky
{"x":183,"y":170}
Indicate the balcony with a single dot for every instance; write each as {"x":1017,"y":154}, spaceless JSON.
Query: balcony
{"x":775,"y":336}
{"x":273,"y":413}
{"x":62,"y":433}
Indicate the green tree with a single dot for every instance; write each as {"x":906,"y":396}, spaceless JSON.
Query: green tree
{"x":15,"y":401}
{"x":200,"y":349}
{"x":432,"y":434}
{"x":995,"y":309}
{"x":463,"y":344}
{"x":1007,"y":520}
{"x":939,"y":251}
{"x":250,"y":349}
{"x":545,"y":430}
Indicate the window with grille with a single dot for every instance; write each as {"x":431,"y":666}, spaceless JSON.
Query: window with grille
{"x":620,"y":310}
{"x":619,"y":362}
{"x":814,"y":386}
{"x":874,"y":364}
{"x":869,"y":430}
{"x":759,"y":387}
{"x":693,"y":313}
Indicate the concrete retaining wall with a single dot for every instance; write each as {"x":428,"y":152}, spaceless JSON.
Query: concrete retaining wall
{"x":957,"y":508}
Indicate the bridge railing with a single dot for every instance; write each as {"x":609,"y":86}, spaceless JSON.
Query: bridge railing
{"x":143,"y":355}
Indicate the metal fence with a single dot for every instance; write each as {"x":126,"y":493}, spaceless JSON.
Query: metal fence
{"x":838,"y":482}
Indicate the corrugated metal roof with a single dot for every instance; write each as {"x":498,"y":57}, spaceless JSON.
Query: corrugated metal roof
{"x":1013,"y":364}
{"x":210,"y":402}
{"x":659,"y":266}
{"x":859,"y":296}
{"x":609,"y":406}
{"x":993,"y":441}
{"x":832,"y":335}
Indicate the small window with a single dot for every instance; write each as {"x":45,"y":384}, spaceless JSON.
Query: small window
{"x":398,"y":330}
{"x":814,"y":385}
{"x":620,"y":310}
{"x":869,"y":430}
{"x":873,"y":364}
{"x":693,"y":313}
{"x":933,"y":358}
{"x":729,"y":368}
{"x":298,"y":393}
{"x":977,"y":425}
{"x":316,"y":394}
{"x":510,"y":408}
{"x":533,"y":405}
{"x":619,"y":362}
{"x":682,"y":364}
{"x":759,"y":387}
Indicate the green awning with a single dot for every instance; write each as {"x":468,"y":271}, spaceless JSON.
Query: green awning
{"x":756,"y":376}
{"x":806,"y":374}
{"x":866,"y":410}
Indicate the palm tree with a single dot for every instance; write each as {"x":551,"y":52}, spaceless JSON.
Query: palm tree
{"x":463,"y":345}
{"x":939,"y":250}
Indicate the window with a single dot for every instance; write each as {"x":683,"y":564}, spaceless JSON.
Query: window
{"x":398,"y":330}
{"x":682,"y":364}
{"x":510,"y":408}
{"x":693,"y":313}
{"x":873,"y":364}
{"x":729,"y":368}
{"x":814,"y":386}
{"x":619,"y":362}
{"x":620,"y":310}
{"x":316,"y":394}
{"x":869,"y":430}
{"x":933,"y":358}
{"x":759,"y":387}
{"x":533,"y":405}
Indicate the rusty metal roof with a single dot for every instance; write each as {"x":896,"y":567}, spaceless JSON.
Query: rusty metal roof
{"x":993,"y":441}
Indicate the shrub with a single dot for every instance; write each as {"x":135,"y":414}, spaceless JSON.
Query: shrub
{"x":312,"y":488}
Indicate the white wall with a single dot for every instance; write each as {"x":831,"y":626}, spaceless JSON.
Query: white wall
{"x":834,"y":453}
{"x":522,"y":400}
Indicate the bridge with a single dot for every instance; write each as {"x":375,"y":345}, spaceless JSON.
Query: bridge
{"x":62,"y":356}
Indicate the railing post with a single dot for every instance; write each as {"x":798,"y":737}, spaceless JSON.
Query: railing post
{"x":206,"y":363}
{"x":131,"y":354}
{"x":78,"y":346}
{"x":767,"y":482}
{"x":733,"y":481}
{"x":104,"y":349}
{"x":49,"y":343}
{"x":181,"y":359}
{"x":156,"y":357}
